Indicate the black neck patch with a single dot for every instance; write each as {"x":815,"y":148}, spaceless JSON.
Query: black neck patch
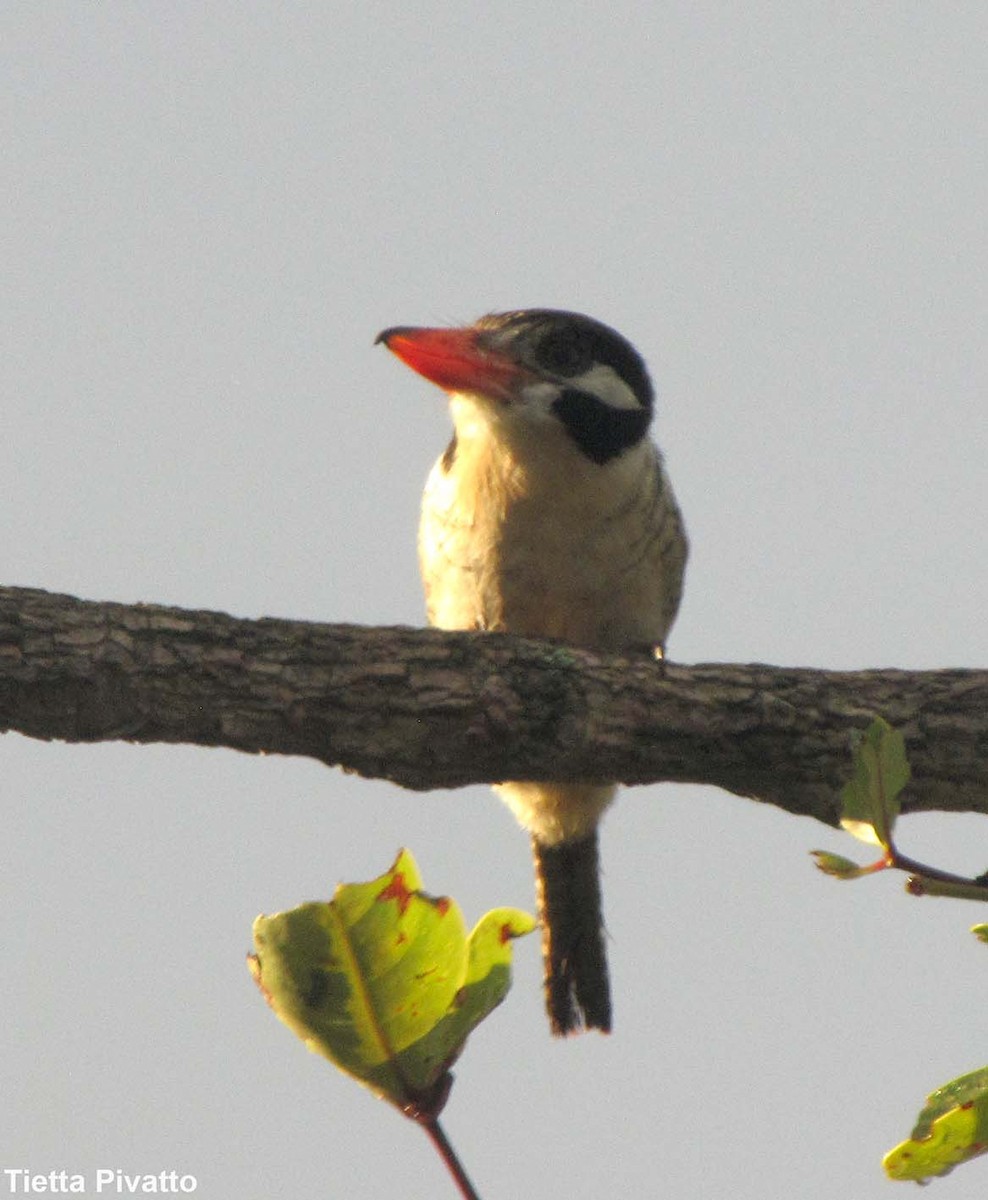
{"x":600,"y":431}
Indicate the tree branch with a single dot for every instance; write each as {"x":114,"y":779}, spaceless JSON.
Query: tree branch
{"x":428,"y":709}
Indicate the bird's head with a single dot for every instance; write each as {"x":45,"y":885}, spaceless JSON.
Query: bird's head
{"x":536,"y":370}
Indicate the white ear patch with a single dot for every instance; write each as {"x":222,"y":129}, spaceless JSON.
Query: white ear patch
{"x":606,"y":384}
{"x":601,"y":381}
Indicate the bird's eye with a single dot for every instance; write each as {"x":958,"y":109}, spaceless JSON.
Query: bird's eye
{"x":563,"y":352}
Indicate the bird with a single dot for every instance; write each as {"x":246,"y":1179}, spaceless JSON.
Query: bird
{"x":550,"y":515}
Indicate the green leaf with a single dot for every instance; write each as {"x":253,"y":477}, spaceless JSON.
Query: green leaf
{"x":838,"y":866}
{"x":870,"y":799}
{"x":952,"y":1128}
{"x":384,"y":982}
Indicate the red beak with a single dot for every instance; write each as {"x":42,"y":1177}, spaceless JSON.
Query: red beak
{"x":454,"y":359}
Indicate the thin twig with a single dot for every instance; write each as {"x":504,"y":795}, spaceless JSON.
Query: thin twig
{"x":446,"y":1152}
{"x":931,"y":881}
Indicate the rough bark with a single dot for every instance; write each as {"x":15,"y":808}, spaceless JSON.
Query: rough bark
{"x":426,"y":709}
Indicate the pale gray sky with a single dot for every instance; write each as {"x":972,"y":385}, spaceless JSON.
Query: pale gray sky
{"x":211,"y":209}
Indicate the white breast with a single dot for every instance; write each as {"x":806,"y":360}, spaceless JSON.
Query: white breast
{"x":525,"y":535}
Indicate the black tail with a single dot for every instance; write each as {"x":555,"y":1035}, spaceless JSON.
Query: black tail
{"x":567,"y":883}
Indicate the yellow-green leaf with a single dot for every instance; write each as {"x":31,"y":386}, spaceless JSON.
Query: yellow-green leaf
{"x":838,"y":866}
{"x":384,"y":982}
{"x":952,"y":1128}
